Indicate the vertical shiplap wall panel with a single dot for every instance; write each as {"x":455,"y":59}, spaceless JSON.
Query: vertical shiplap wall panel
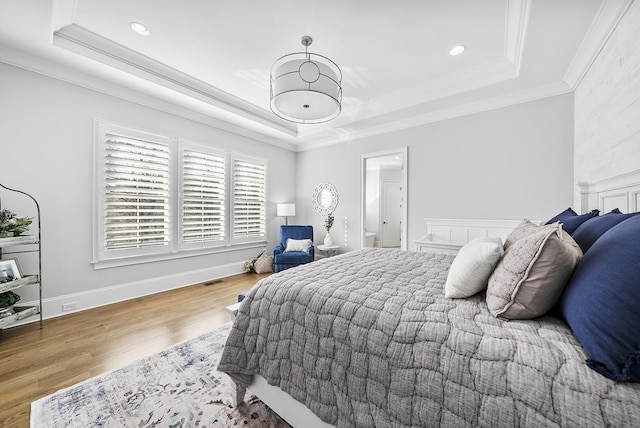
{"x":607,"y":107}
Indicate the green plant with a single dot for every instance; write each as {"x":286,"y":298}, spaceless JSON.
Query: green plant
{"x":248,"y":265}
{"x":328,"y":223}
{"x":10,"y":223}
{"x":6,"y":279}
{"x":8,"y":299}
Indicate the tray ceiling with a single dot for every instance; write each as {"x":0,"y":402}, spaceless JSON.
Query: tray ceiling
{"x":212,"y":58}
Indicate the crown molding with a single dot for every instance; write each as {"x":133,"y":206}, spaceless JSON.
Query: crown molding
{"x":91,"y":45}
{"x":38,"y":65}
{"x":62,"y":13}
{"x":515,"y":31}
{"x":187,"y":97}
{"x":527,"y":95}
{"x":604,"y":23}
{"x":341,"y":135}
{"x":491,"y":72}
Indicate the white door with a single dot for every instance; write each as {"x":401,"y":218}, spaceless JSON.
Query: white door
{"x":390,"y":213}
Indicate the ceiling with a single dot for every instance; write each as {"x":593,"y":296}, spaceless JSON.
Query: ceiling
{"x":210,"y":60}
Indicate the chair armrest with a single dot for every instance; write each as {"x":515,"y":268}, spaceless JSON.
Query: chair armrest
{"x":279,"y":249}
{"x":312,"y":251}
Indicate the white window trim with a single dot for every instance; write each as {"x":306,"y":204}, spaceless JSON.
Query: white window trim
{"x":188,"y":145}
{"x":99,"y":252}
{"x":263,"y":238}
{"x":176,"y":249}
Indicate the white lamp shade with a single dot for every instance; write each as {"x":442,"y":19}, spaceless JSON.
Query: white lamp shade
{"x":305,"y":88}
{"x":286,"y":210}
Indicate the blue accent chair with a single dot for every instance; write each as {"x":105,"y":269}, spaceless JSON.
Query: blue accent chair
{"x":282,"y":260}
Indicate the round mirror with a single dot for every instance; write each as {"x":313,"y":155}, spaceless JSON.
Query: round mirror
{"x":325,"y":199}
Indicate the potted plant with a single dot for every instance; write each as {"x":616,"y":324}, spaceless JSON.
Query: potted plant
{"x":12,"y":225}
{"x":7,"y":300}
{"x":328,"y":224}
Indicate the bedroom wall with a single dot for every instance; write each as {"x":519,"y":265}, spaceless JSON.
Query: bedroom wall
{"x":509,"y":163}
{"x":47,"y":150}
{"x":607,"y":106}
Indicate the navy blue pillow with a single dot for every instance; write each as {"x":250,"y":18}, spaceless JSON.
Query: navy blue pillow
{"x":571,"y":220}
{"x":568,"y":213}
{"x":589,"y":231}
{"x":602,"y":299}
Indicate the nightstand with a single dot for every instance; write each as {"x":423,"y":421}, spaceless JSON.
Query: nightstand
{"x":328,"y":250}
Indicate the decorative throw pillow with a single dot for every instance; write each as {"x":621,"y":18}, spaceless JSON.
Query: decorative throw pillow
{"x":601,"y":302}
{"x":298,"y":245}
{"x":263,"y":264}
{"x":523,"y":229}
{"x":589,"y":231}
{"x":570,"y":220}
{"x":531,"y":275}
{"x":568,"y":213}
{"x":472,"y":266}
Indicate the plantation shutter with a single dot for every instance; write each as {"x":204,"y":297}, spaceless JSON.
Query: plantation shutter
{"x":136,"y":199}
{"x":249,"y":178}
{"x":203,"y":200}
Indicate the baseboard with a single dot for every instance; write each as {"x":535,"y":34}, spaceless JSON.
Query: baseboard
{"x":52,"y":307}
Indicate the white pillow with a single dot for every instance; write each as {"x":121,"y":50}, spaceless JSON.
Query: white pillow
{"x":298,"y":245}
{"x":470,"y":270}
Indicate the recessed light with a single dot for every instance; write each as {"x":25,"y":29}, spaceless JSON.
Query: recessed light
{"x":140,"y":28}
{"x":457,"y":50}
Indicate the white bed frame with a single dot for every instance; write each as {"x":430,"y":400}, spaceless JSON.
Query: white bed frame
{"x":289,"y":409}
{"x":448,"y":235}
{"x":621,"y":191}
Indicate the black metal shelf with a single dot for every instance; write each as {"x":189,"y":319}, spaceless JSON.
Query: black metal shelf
{"x":17,"y":246}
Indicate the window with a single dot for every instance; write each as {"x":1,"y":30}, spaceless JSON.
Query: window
{"x":249,"y":180}
{"x":203,"y":197}
{"x":158,"y":197}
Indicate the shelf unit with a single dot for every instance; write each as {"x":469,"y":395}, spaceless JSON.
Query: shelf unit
{"x":23,"y":244}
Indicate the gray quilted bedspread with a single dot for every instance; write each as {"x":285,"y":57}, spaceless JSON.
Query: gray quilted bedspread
{"x":367,"y":339}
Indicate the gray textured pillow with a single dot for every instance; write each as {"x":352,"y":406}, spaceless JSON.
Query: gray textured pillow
{"x":531,"y":275}
{"x":523,"y":229}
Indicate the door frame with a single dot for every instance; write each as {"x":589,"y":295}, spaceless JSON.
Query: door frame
{"x":403,"y":153}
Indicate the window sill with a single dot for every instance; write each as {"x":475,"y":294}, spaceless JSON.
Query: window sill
{"x":136,"y":260}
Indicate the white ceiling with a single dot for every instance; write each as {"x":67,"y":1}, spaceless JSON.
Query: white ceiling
{"x":210,"y":59}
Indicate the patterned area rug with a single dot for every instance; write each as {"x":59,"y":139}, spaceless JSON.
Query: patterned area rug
{"x":179,"y":387}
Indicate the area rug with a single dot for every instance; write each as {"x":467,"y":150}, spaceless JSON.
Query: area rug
{"x":178,"y":387}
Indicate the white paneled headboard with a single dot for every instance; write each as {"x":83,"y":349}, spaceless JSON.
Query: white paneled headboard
{"x":621,"y":191}
{"x":449,"y":235}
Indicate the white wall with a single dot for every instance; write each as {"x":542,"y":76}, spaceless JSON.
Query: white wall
{"x":510,"y":163}
{"x":607,"y":107}
{"x":47,"y":150}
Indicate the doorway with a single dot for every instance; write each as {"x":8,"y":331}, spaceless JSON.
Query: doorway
{"x":383,"y":204}
{"x":390,"y":213}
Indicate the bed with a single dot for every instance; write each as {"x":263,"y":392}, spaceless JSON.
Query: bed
{"x":368,"y":338}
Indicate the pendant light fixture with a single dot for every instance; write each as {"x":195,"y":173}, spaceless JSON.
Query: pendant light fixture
{"x":306,"y":87}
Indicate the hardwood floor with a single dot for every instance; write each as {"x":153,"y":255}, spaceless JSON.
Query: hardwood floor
{"x":69,"y":349}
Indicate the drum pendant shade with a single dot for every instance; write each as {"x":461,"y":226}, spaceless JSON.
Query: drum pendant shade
{"x":306,"y":87}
